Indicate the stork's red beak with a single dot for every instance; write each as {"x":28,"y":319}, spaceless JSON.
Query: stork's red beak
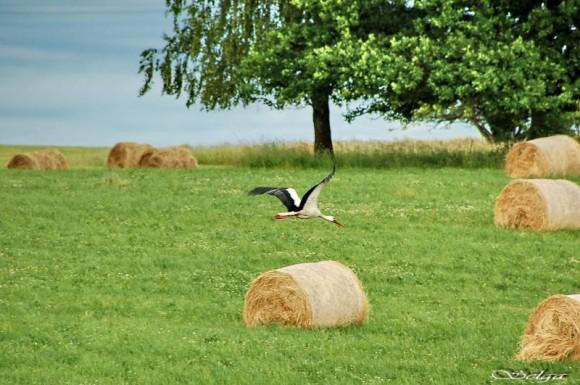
{"x":338,"y":223}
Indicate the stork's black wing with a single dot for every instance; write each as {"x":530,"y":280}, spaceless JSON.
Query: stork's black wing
{"x":288,"y":196}
{"x":311,"y":196}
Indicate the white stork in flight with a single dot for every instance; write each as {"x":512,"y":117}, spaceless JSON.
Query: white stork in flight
{"x":305,"y":208}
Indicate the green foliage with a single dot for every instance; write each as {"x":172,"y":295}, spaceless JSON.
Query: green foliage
{"x":138,"y":277}
{"x":509,"y":68}
{"x":224,"y":52}
{"x":203,"y":56}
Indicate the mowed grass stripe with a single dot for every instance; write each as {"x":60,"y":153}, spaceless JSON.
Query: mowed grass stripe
{"x":138,"y":277}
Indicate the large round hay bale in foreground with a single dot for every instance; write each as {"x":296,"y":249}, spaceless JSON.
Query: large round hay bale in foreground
{"x":168,"y":157}
{"x":557,"y":155}
{"x":126,"y":154}
{"x":39,"y":160}
{"x":321,"y":294}
{"x":553,"y":330}
{"x":540,"y":204}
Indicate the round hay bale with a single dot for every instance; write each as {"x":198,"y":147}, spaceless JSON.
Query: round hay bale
{"x":168,"y":157}
{"x":322,"y":294}
{"x":557,"y":155}
{"x":553,"y":330}
{"x":540,"y":204}
{"x":126,"y":154}
{"x":39,"y":160}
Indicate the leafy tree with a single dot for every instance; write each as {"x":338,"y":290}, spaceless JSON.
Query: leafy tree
{"x":223,"y":53}
{"x":509,"y":67}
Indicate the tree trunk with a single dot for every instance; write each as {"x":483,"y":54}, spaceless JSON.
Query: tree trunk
{"x":483,"y":130}
{"x":479,"y":122}
{"x":321,"y":120}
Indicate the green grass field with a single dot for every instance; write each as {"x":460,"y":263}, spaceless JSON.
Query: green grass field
{"x":138,"y":277}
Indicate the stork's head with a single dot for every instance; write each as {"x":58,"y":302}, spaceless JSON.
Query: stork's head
{"x":332,"y":219}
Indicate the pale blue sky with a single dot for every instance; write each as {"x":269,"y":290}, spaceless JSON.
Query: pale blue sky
{"x":68,"y":76}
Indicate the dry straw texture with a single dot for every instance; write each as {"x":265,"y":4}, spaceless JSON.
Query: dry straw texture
{"x":551,"y":156}
{"x":322,"y":294}
{"x":553,"y":330}
{"x":540,"y":204}
{"x":169,"y":157}
{"x":126,"y":154}
{"x":39,"y":160}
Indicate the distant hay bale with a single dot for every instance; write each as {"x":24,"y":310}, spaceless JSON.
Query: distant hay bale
{"x":322,"y":294}
{"x":168,"y":157}
{"x":540,"y":204}
{"x":557,"y":155}
{"x":553,"y":330}
{"x":126,"y":154}
{"x":39,"y":160}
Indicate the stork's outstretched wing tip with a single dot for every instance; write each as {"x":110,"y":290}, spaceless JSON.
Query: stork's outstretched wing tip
{"x":286,"y":195}
{"x":260,"y":190}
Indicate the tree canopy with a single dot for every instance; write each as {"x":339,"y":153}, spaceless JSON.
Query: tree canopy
{"x":227,"y":52}
{"x":509,"y":67}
